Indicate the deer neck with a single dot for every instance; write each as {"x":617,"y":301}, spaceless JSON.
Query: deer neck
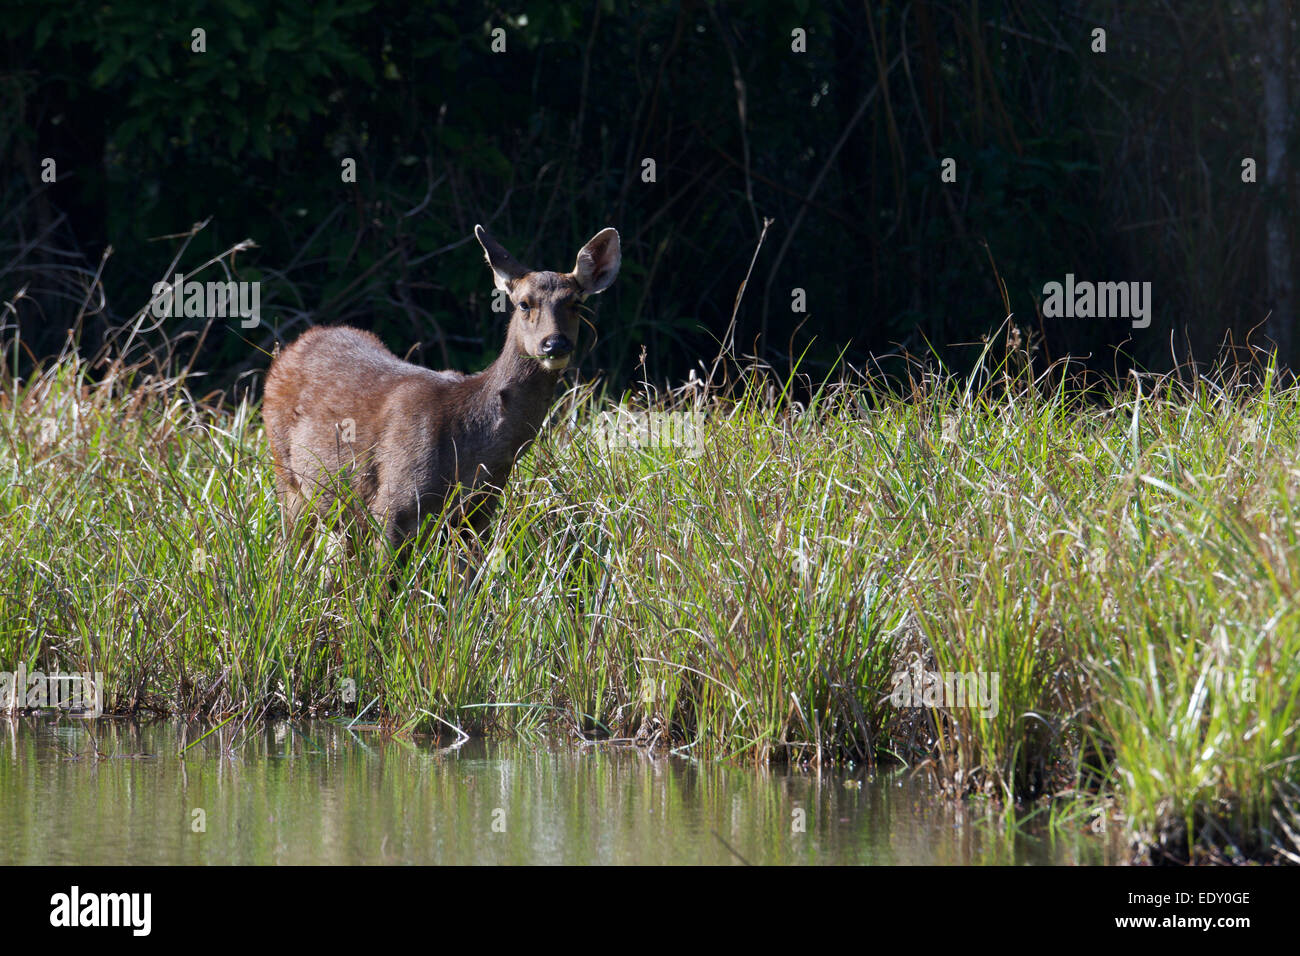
{"x":518,"y":390}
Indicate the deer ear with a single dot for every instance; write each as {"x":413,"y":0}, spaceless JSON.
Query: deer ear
{"x":598,"y":262}
{"x":505,"y":268}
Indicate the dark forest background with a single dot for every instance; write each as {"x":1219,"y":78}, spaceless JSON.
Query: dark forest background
{"x":1122,"y":165}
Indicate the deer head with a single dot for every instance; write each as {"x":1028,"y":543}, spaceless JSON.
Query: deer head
{"x":544,"y":316}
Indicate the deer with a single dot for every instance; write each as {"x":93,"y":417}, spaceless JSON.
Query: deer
{"x":348,"y":419}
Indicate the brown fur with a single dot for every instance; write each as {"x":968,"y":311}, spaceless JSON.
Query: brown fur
{"x":421,"y":439}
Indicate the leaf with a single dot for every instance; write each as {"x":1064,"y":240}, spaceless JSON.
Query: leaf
{"x":108,"y":69}
{"x":284,"y":38}
{"x":43,"y":30}
{"x":257,"y":60}
{"x":261,"y":141}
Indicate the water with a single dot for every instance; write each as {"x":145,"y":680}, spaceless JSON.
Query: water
{"x":316,"y":793}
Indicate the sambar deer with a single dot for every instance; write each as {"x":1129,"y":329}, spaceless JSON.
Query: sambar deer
{"x":343,"y":412}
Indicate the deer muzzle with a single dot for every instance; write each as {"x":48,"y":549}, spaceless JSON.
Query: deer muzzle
{"x":555,"y":352}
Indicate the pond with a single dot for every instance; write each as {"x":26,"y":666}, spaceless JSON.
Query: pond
{"x":117,"y":792}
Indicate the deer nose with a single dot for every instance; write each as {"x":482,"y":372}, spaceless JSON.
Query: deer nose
{"x":554,"y":346}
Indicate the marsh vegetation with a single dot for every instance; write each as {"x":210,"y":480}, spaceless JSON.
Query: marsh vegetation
{"x":1127,"y":565}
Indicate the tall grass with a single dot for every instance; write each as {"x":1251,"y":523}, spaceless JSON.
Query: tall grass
{"x":1127,"y":568}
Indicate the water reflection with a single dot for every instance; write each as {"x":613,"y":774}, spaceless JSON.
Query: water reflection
{"x":115,"y":792}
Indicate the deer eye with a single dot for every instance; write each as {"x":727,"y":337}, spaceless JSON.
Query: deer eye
{"x":524,"y":307}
